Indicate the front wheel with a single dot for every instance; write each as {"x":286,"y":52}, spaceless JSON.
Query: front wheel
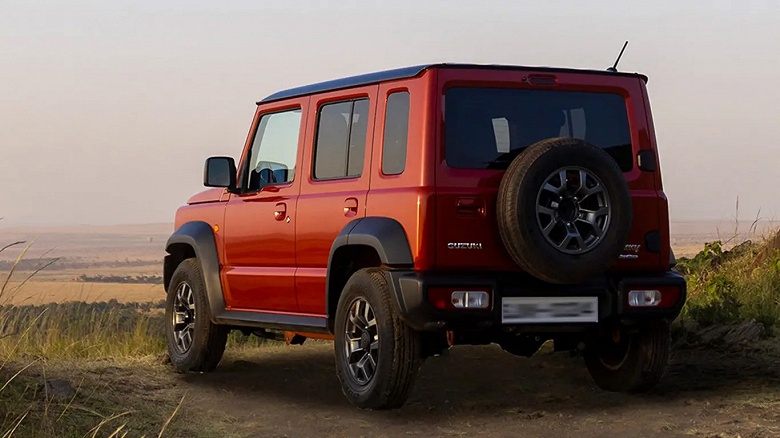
{"x":194,"y":342}
{"x":630,"y":362}
{"x":377,"y":354}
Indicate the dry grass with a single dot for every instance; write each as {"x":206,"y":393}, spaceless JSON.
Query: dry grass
{"x":87,"y":345}
{"x":42,"y":292}
{"x":100,"y":348}
{"x":127,"y":397}
{"x":730,"y":285}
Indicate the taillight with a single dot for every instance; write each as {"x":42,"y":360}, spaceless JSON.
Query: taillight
{"x":662,"y":297}
{"x":459,"y":298}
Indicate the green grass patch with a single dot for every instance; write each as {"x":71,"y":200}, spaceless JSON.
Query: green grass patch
{"x":78,"y":331}
{"x":81,"y":331}
{"x":726,"y":286}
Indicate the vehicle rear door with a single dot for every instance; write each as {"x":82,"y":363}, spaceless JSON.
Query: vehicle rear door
{"x":335,"y":184}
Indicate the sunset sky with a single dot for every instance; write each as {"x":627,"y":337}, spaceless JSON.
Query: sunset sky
{"x":108,"y":108}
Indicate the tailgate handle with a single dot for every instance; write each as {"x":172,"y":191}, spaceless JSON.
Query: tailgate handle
{"x":471,"y":206}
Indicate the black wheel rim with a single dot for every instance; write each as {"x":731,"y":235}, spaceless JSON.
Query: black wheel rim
{"x":183,"y":318}
{"x":362,"y":341}
{"x":573,"y":210}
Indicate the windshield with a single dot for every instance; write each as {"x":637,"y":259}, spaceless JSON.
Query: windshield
{"x":487,"y":127}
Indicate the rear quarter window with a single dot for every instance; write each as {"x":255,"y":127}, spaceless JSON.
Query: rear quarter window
{"x":485,"y":128}
{"x":396,"y":133}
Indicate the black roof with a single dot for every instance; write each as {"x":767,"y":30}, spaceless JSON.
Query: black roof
{"x":410,"y":72}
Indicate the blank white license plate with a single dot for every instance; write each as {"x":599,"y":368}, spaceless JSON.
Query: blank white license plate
{"x":517,"y":310}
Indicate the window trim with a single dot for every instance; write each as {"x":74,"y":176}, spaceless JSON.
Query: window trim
{"x":384,"y":131}
{"x":315,"y":139}
{"x":244,"y":176}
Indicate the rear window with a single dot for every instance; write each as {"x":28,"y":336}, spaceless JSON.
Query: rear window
{"x":341,"y":140}
{"x":486,"y":128}
{"x":396,"y":133}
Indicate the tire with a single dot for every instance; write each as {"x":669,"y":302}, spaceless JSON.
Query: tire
{"x":634,"y":364}
{"x":528,"y":182}
{"x":397,"y":358}
{"x":207,"y":340}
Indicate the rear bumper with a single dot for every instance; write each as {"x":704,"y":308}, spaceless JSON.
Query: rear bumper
{"x":411,"y":290}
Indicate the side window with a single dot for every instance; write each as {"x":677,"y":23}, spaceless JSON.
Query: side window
{"x":396,"y":133}
{"x":274,"y":150}
{"x":341,"y":140}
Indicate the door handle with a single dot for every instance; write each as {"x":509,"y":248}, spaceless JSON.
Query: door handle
{"x":350,"y":207}
{"x":280,"y":212}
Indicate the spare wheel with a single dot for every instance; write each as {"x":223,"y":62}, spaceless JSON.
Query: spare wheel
{"x":564,"y":210}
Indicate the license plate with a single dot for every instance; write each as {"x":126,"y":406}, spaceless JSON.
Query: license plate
{"x":518,"y":310}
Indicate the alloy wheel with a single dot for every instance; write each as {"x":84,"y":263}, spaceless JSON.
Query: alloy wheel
{"x":573,"y":210}
{"x":362,"y":341}
{"x":183,"y":319}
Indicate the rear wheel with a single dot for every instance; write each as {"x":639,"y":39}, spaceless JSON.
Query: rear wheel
{"x":630,"y":362}
{"x":377,"y":354}
{"x":194,"y":342}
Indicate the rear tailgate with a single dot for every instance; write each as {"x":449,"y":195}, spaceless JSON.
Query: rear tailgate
{"x":486,"y":115}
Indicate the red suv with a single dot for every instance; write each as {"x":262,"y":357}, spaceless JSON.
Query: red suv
{"x":402,"y":212}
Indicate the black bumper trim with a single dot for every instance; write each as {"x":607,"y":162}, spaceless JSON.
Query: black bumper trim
{"x":411,"y":288}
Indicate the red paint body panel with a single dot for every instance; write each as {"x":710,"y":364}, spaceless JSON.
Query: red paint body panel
{"x":409,"y":197}
{"x":280,"y":266}
{"x":209,"y":195}
{"x":259,"y":246}
{"x":479,"y":187}
{"x":322,"y":205}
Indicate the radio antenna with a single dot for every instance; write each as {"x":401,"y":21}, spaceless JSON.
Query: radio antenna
{"x":614,"y":67}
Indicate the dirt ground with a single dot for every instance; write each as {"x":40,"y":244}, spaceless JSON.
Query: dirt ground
{"x":473,"y":391}
{"x":292,"y":391}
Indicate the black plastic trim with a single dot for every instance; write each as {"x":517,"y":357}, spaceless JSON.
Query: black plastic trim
{"x":653,"y":242}
{"x":411,"y":292}
{"x":273,"y":321}
{"x":231,"y":184}
{"x":199,"y":236}
{"x":667,"y":279}
{"x":646,"y":161}
{"x":385,"y":235}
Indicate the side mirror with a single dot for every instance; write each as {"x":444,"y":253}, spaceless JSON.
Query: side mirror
{"x":220,"y":172}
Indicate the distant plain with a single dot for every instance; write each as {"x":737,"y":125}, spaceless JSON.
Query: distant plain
{"x":137,"y":250}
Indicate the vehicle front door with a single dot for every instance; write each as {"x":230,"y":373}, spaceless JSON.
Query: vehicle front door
{"x":259,"y":234}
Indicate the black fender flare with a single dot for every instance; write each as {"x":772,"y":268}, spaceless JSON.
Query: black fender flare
{"x":199,"y":236}
{"x":385,"y":235}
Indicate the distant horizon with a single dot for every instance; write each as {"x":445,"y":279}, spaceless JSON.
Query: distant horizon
{"x":109,"y":109}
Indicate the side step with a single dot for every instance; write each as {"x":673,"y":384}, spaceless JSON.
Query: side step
{"x":273,"y":321}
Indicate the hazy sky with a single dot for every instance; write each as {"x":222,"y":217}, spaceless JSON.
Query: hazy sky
{"x":108,"y":108}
